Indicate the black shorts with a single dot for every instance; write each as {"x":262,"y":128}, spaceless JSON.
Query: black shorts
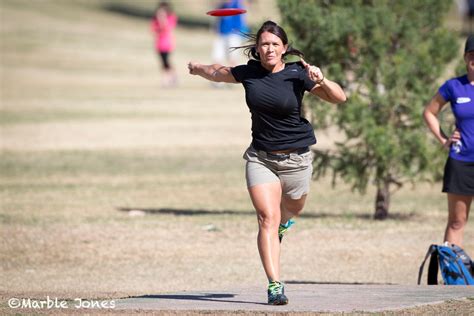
{"x":458,"y":177}
{"x":164,"y":60}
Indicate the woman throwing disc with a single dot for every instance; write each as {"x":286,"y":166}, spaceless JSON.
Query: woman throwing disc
{"x":279,"y":161}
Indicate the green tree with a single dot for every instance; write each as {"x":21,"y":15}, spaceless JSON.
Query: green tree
{"x":389,"y":56}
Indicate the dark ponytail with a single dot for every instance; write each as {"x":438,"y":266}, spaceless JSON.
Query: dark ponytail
{"x":269,"y":26}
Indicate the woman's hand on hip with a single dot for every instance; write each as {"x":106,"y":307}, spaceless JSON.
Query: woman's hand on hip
{"x":455,"y":137}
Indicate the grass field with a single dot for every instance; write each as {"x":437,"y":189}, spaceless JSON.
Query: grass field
{"x":88,"y":134}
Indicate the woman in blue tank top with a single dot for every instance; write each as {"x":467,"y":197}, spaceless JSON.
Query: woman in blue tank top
{"x":458,"y":181}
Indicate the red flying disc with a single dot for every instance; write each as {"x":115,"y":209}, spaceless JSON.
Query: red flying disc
{"x":226,"y":12}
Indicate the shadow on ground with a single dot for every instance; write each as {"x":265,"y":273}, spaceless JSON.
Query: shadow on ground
{"x":307,"y":214}
{"x":212,"y":297}
{"x":333,"y":283}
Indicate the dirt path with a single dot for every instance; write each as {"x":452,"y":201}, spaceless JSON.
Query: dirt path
{"x":304,"y":298}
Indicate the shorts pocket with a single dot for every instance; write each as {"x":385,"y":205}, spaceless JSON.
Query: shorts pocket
{"x":297,"y":159}
{"x":308,"y":157}
{"x":302,"y":160}
{"x":250,"y":154}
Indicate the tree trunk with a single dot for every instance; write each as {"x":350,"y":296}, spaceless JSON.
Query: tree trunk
{"x":382,"y":201}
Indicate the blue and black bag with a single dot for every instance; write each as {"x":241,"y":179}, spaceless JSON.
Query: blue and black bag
{"x":455,"y":265}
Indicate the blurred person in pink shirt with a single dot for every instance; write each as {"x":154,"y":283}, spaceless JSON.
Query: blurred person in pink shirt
{"x":163,"y":24}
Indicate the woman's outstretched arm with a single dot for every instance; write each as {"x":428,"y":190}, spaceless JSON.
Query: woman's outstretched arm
{"x":214,"y":72}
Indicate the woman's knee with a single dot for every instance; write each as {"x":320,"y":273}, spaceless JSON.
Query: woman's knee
{"x":295,"y":211}
{"x":294,"y":206}
{"x":457,"y":223}
{"x":267,"y":220}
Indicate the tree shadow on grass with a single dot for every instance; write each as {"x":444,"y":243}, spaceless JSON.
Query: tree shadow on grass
{"x":211,"y":297}
{"x":134,"y":11}
{"x":307,"y":214}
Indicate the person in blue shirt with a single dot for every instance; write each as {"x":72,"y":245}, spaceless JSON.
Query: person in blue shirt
{"x":458,"y":180}
{"x":229,"y":34}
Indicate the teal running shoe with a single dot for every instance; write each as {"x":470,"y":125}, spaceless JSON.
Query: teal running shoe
{"x":276,"y":294}
{"x":284,"y":228}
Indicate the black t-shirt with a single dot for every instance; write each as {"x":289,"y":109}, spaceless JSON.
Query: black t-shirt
{"x":274,"y":100}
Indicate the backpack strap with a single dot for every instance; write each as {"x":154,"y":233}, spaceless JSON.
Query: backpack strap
{"x":432,"y":249}
{"x":464,"y":257}
{"x":433,"y":268}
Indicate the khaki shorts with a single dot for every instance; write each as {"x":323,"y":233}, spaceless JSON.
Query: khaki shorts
{"x":292,"y":170}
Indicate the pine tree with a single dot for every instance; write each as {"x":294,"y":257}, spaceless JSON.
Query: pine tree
{"x":388,"y":55}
